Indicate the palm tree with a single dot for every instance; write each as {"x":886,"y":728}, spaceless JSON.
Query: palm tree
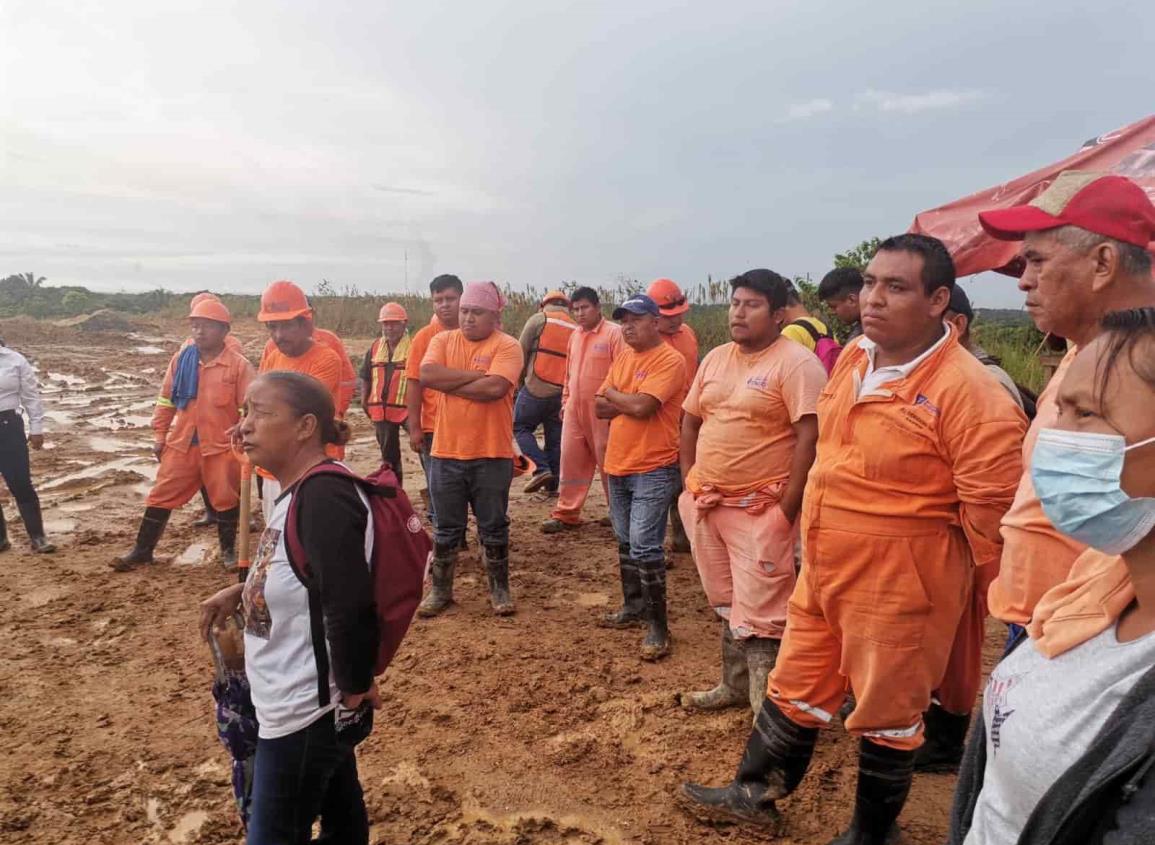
{"x":32,"y":280}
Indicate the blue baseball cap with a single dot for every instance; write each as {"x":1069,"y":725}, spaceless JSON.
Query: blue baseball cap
{"x":639,"y":303}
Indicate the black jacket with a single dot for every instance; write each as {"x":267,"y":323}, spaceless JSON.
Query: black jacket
{"x":1106,"y":798}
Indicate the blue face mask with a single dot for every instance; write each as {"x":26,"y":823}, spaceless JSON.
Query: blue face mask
{"x":1077,"y":479}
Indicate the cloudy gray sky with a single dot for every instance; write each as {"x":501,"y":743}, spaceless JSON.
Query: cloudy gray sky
{"x":226,"y":144}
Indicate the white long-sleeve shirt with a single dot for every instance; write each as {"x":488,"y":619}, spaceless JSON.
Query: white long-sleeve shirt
{"x":19,"y":388}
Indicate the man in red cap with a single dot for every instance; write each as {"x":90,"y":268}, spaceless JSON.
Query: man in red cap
{"x":199,"y":403}
{"x":672,"y":308}
{"x":1085,"y":253}
{"x":545,"y":344}
{"x":383,"y":382}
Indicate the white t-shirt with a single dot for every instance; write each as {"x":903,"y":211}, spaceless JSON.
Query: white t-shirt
{"x":1041,"y":716}
{"x":279,"y":659}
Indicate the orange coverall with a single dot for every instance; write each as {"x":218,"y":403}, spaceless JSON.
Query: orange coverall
{"x":583,"y":435}
{"x":186,"y":466}
{"x":908,"y":488}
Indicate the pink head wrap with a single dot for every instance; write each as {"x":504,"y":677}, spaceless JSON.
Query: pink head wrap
{"x":483,"y":295}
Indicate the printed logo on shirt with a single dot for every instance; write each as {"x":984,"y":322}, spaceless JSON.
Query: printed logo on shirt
{"x":602,"y":347}
{"x":997,"y":691}
{"x":924,"y":403}
{"x":640,"y":374}
{"x":758,"y":382}
{"x":482,"y":361}
{"x":258,"y":621}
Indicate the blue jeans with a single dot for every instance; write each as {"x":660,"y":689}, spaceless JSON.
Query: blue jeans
{"x":528,"y":413}
{"x":301,"y":776}
{"x":639,"y":508}
{"x":482,"y":484}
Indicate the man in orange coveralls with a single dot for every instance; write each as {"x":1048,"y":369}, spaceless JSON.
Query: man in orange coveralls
{"x":918,"y":459}
{"x":199,"y":403}
{"x":592,"y":350}
{"x":672,"y":309}
{"x":294,"y":347}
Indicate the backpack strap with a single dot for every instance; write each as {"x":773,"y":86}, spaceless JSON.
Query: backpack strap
{"x":806,"y":324}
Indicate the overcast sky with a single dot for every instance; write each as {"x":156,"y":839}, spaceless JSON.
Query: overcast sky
{"x":227,"y":144}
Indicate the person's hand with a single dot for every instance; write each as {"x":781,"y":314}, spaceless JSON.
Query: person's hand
{"x":217,"y":610}
{"x":157,"y":450}
{"x":372,"y":695}
{"x":36,"y":441}
{"x":417,"y":440}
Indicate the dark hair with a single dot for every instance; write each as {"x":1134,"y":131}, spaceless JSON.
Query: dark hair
{"x":792,"y":296}
{"x":937,"y":265}
{"x":1124,"y":331}
{"x":839,"y":282}
{"x":766,"y":282}
{"x":444,"y":282}
{"x":305,"y":395}
{"x":588,"y":294}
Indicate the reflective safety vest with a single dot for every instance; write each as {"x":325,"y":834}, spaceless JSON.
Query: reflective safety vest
{"x":550,"y":353}
{"x":387,"y":382}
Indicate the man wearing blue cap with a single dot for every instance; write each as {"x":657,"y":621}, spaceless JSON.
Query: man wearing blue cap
{"x":642,"y":398}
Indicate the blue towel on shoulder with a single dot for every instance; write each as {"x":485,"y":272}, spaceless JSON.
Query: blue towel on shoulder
{"x":186,"y":377}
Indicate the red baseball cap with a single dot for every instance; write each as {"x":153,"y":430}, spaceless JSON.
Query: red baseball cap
{"x":1108,"y":205}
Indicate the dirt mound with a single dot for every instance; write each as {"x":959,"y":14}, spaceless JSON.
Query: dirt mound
{"x":103,"y":320}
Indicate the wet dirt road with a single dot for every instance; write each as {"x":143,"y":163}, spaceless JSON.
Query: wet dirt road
{"x":541,"y":728}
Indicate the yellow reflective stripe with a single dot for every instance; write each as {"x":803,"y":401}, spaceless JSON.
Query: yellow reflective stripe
{"x":164,"y":402}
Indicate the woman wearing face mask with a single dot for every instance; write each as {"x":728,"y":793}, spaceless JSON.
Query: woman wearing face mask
{"x":1064,"y":753}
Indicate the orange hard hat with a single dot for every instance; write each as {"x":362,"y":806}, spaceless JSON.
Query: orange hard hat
{"x":283,"y":300}
{"x":392,"y":311}
{"x":203,"y":296}
{"x":671,"y":301}
{"x":211,"y":309}
{"x":555,"y":296}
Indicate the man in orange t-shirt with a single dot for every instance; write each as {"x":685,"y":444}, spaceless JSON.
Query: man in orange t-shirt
{"x":473,"y":371}
{"x":445,"y":290}
{"x":748,"y":439}
{"x":672,"y":308}
{"x":286,"y":313}
{"x":642,"y":398}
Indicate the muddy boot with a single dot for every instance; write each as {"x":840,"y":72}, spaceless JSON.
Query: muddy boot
{"x":946,"y":735}
{"x":497,"y":570}
{"x":761,"y":652}
{"x":151,"y":527}
{"x":227,"y":535}
{"x":34,"y":524}
{"x":679,"y":542}
{"x":440,"y":594}
{"x":734,"y":687}
{"x":884,"y":776}
{"x":656,"y":645}
{"x":210,"y":516}
{"x":777,"y":755}
{"x":632,"y":613}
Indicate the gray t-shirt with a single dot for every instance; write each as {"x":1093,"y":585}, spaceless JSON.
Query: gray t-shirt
{"x":1041,"y":716}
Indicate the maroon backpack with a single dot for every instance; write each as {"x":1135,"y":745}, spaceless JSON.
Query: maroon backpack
{"x":401,"y":550}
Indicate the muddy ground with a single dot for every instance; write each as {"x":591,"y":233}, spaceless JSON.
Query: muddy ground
{"x":542,"y":728}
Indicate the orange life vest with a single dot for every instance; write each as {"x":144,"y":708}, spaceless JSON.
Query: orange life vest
{"x":387,"y":382}
{"x":552,"y":343}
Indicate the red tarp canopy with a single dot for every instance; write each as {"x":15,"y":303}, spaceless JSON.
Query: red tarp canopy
{"x":1129,"y":152}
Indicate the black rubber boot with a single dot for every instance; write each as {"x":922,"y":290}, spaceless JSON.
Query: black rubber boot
{"x":761,"y":652}
{"x":34,"y":524}
{"x":946,"y":735}
{"x":5,"y":543}
{"x":632,"y":613}
{"x":656,"y":645}
{"x":227,"y":535}
{"x":210,"y":515}
{"x":151,"y":527}
{"x":884,"y":776}
{"x":497,"y":570}
{"x":776,"y":758}
{"x":440,"y":594}
{"x":733,"y":689}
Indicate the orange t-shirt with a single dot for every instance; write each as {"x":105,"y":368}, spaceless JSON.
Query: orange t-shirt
{"x":348,"y":382}
{"x":320,"y":362}
{"x":417,"y":349}
{"x":1036,"y":557}
{"x":468,"y":430}
{"x":636,"y":446}
{"x":686,"y":342}
{"x":748,"y":405}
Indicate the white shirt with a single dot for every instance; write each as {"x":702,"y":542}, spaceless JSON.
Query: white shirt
{"x":19,"y":388}
{"x":279,"y":659}
{"x":1041,"y":716}
{"x":874,"y":379}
